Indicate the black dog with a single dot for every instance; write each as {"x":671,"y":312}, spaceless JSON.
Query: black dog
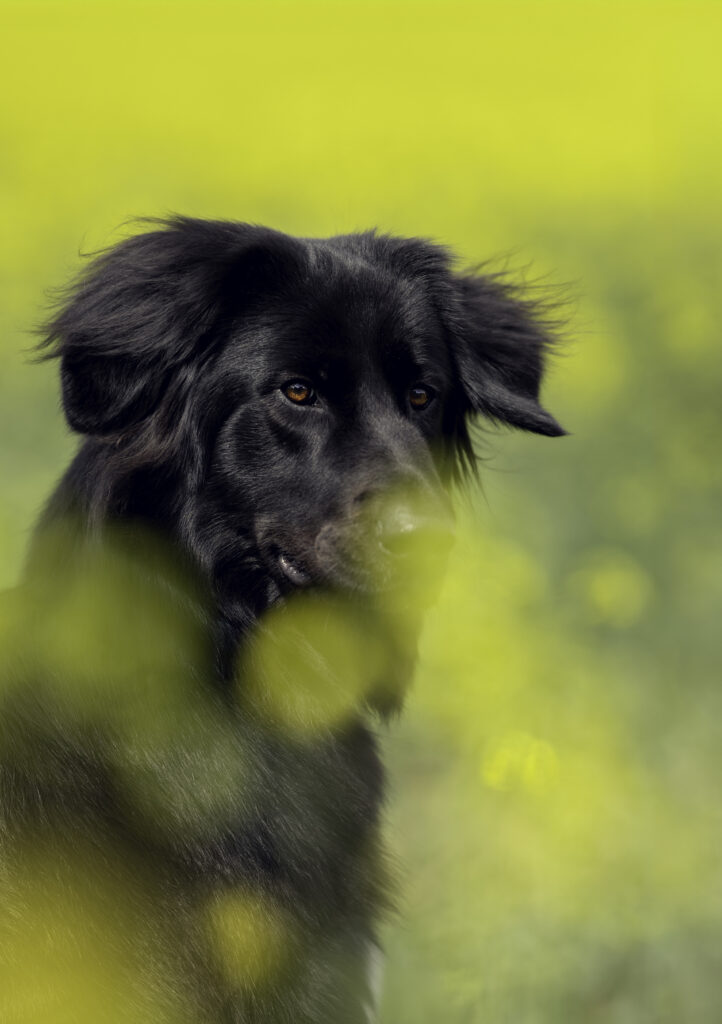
{"x":223,"y":588}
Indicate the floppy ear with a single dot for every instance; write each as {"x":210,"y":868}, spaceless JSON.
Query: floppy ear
{"x":500,"y":345}
{"x":152,"y":304}
{"x":499,"y":340}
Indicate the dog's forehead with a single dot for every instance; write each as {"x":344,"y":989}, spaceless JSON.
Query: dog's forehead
{"x":356,"y":317}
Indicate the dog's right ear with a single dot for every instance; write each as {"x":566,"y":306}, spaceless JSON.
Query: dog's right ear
{"x":154,"y":303}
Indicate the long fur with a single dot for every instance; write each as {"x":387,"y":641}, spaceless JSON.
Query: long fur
{"x":201,"y":508}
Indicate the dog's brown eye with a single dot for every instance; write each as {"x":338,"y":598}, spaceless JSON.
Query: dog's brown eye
{"x":420,"y":395}
{"x":299,"y":392}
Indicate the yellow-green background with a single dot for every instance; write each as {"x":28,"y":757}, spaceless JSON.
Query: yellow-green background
{"x":556,"y":778}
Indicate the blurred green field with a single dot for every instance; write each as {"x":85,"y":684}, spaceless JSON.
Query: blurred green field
{"x":556,"y":778}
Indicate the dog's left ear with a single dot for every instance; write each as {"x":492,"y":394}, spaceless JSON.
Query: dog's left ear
{"x":500,"y":343}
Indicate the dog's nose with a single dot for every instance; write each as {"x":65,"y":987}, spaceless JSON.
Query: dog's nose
{"x":404,"y":531}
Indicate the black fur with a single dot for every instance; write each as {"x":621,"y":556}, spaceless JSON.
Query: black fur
{"x":202,"y":507}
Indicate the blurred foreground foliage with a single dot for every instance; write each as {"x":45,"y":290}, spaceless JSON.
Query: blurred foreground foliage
{"x":556,"y":775}
{"x":171,"y":847}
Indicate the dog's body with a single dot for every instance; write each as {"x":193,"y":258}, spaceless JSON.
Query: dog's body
{"x":270,"y":429}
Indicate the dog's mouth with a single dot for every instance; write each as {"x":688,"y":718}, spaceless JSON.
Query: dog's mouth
{"x":292,"y":570}
{"x":333,"y":570}
{"x":343,"y":559}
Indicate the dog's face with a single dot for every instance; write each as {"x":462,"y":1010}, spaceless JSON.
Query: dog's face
{"x":334,"y":449}
{"x":296,"y":408}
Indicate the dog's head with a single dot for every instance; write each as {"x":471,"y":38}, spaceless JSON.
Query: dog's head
{"x":292,"y":410}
